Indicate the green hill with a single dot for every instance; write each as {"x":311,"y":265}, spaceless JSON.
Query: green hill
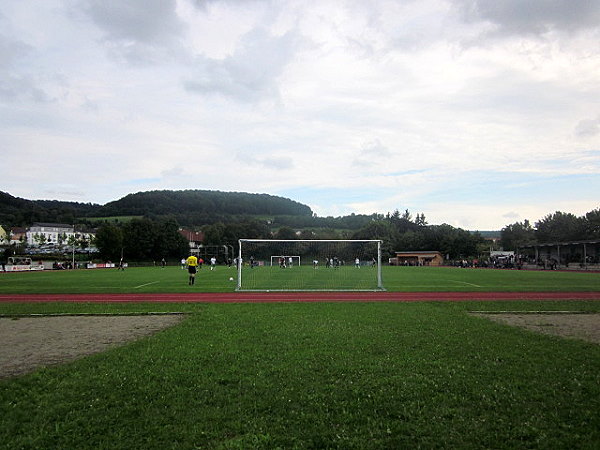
{"x":189,"y":207}
{"x":15,"y":211}
{"x":191,"y":202}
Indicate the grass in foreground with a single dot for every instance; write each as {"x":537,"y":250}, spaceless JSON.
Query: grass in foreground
{"x":398,"y":279}
{"x":316,"y":376}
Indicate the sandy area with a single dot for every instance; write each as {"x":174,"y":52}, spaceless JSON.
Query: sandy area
{"x":27,"y":343}
{"x":568,"y":325}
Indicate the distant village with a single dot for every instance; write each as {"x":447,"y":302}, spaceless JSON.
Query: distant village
{"x":52,"y":238}
{"x":48,"y":237}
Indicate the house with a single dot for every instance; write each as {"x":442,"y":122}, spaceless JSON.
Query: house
{"x":18,"y":235}
{"x":3,"y":236}
{"x":417,"y":258}
{"x":194,"y":238}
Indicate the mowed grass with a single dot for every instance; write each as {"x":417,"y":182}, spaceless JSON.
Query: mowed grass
{"x":312,"y":375}
{"x":174,"y":279}
{"x":362,"y":376}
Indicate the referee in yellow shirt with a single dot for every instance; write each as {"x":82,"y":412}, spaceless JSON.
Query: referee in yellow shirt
{"x":192,"y":265}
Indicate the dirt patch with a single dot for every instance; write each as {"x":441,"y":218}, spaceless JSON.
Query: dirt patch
{"x":578,"y":326}
{"x":31,"y":342}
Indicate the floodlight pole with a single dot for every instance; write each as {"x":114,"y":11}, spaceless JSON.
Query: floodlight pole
{"x":73,"y":260}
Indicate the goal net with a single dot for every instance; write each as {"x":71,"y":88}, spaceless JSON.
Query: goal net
{"x":316,"y":265}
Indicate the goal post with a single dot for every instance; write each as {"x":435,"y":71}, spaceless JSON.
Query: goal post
{"x":316,"y":265}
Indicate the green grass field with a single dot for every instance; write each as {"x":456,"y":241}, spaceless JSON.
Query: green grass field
{"x":312,"y":375}
{"x":397,"y":279}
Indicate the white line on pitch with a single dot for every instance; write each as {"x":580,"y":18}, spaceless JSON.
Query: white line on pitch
{"x":464,"y":282}
{"x":147,"y":284}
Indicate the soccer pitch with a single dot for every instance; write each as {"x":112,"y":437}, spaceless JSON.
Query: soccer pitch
{"x":395,"y":279}
{"x":311,"y":375}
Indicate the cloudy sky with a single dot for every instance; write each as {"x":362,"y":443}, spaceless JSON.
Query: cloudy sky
{"x":477,"y":113}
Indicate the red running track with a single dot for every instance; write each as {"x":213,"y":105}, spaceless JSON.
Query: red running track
{"x":271,"y":297}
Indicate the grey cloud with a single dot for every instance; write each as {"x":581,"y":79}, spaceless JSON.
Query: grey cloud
{"x":250,"y":73}
{"x":62,"y":193}
{"x":13,"y":84}
{"x":588,"y":128}
{"x":514,"y":93}
{"x":269,"y":162}
{"x":147,"y":21}
{"x":371,"y":153}
{"x":18,"y":87}
{"x":532,"y":16}
{"x":278,"y":162}
{"x":376,"y":149}
{"x":11,"y":51}
{"x":511,"y":215}
{"x":203,"y":4}
{"x":174,"y":172}
{"x":138,"y":30}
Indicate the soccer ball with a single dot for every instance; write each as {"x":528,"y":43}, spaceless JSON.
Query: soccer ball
{"x":230,"y":278}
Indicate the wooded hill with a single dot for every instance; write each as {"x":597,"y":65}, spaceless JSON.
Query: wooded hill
{"x":19,"y":212}
{"x":197,"y":207}
{"x":190,"y":207}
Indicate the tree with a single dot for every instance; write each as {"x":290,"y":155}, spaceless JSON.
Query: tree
{"x":382,"y":230}
{"x":402,"y":223}
{"x":454,"y":242}
{"x":168,"y":241}
{"x":214,"y":234}
{"x":62,"y":237}
{"x":420,"y":220}
{"x":517,"y":234}
{"x":109,"y":241}
{"x":40,"y":239}
{"x":592,"y":224}
{"x":286,"y":233}
{"x":560,"y":227}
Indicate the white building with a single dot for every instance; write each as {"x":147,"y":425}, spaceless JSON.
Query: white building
{"x":54,"y":234}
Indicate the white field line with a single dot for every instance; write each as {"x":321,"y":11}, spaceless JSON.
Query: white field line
{"x":427,"y":287}
{"x":464,"y":282}
{"x":167,"y":313}
{"x":533,"y":312}
{"x":146,"y":284}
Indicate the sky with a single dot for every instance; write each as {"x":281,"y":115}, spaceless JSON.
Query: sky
{"x":476,"y":113}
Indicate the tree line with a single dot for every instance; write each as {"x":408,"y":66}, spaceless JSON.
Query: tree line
{"x":225,"y":217}
{"x":141,"y":240}
{"x":556,"y":227}
{"x":147,"y":239}
{"x":398,"y":231}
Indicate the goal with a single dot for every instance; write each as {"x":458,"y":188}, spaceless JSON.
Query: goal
{"x":317,"y":265}
{"x":288,"y":261}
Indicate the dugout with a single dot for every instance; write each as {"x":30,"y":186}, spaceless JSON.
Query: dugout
{"x":417,"y":258}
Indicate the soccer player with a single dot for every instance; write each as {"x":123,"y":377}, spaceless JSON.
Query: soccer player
{"x":192,"y":265}
{"x":213,"y":263}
